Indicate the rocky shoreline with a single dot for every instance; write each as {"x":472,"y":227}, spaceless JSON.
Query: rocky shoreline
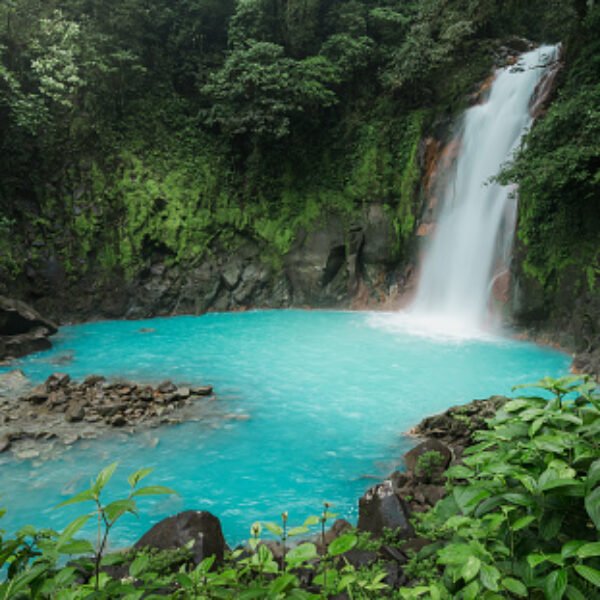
{"x":385,"y":510}
{"x":36,"y":422}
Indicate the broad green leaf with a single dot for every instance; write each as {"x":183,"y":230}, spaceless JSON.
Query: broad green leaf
{"x":555,"y":584}
{"x":470,"y":569}
{"x":454,"y":554}
{"x":139,"y":565}
{"x":593,"y":475}
{"x":76,"y":547}
{"x":592,"y":506}
{"x":489,"y":577}
{"x":556,"y":483}
{"x":119,"y":507}
{"x":283,"y":584}
{"x":206,"y":564}
{"x":81,"y":497}
{"x":567,"y":418}
{"x":515,"y":405}
{"x":536,"y":426}
{"x":273,"y":528}
{"x":72,"y":528}
{"x":522,"y":523}
{"x":468,"y":497}
{"x":184,"y":580}
{"x":301,"y":553}
{"x":470,"y":591}
{"x":570,"y":548}
{"x":519,"y":499}
{"x":104,"y":477}
{"x":589,"y":573}
{"x":312,"y":520}
{"x":297,"y":530}
{"x":459,"y":472}
{"x":136,"y":477}
{"x":342,"y":544}
{"x":514,"y":586}
{"x":589,"y":550}
{"x":154,"y":490}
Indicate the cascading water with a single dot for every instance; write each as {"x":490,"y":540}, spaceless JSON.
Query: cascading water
{"x":472,"y":241}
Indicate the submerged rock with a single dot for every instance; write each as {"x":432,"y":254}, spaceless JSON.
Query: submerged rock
{"x":73,"y":410}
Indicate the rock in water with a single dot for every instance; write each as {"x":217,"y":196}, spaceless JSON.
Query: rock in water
{"x":380,"y":508}
{"x":175,"y":532}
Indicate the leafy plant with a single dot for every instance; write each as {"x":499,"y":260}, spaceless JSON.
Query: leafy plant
{"x":523,"y":514}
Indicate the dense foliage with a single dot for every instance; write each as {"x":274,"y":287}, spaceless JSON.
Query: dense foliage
{"x":522,"y":517}
{"x":521,"y":520}
{"x":129,"y":128}
{"x":558,"y":170}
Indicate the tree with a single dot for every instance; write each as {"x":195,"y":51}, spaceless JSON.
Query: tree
{"x":259,"y":90}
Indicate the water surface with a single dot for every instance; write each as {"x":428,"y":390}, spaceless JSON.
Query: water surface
{"x":328,"y":396}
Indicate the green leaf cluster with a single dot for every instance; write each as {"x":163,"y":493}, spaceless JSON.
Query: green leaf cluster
{"x":522,"y":517}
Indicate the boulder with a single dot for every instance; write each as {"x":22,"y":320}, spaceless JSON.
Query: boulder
{"x":22,"y":329}
{"x":428,"y":468}
{"x":175,"y":532}
{"x":17,"y":318}
{"x":57,"y":380}
{"x":380,"y":508}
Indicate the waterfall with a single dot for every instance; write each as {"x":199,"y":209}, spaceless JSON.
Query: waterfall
{"x":472,"y":240}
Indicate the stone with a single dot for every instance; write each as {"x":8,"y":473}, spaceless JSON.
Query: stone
{"x":432,"y":494}
{"x":412,"y":457}
{"x":201,"y":527}
{"x":183,"y":392}
{"x":167,"y":387}
{"x":4,"y":443}
{"x":380,"y":508}
{"x":203,"y":390}
{"x":118,"y":421}
{"x":360,"y":558}
{"x":38,"y":395}
{"x":70,"y":439}
{"x":13,"y":382}
{"x":57,"y":380}
{"x":92,"y":380}
{"x":28,"y":454}
{"x":75,"y":413}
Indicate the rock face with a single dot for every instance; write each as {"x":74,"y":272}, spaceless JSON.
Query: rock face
{"x":329,"y":264}
{"x":201,"y":527}
{"x":22,"y":329}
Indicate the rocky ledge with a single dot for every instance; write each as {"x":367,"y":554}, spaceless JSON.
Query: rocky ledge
{"x":22,"y":330}
{"x":60,"y":411}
